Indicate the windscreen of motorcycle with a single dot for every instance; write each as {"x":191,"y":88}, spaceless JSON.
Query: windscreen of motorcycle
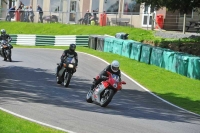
{"x":115,"y":77}
{"x":70,"y":60}
{"x":3,"y":42}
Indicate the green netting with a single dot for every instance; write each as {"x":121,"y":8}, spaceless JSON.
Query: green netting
{"x":108,"y":44}
{"x":194,"y":68}
{"x":157,"y":56}
{"x":126,"y":48}
{"x":146,"y":53}
{"x":168,"y":56}
{"x":180,"y":63}
{"x":117,"y":46}
{"x":136,"y":50}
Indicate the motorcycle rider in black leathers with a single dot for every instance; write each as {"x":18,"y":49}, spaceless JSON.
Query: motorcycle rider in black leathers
{"x":68,"y":53}
{"x":6,"y":37}
{"x":112,"y":68}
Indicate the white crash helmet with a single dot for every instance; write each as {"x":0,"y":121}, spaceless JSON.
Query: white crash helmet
{"x":115,"y":66}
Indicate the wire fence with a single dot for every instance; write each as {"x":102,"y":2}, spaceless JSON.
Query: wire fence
{"x":147,"y":21}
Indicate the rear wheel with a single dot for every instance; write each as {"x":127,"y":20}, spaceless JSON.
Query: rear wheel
{"x":67,"y":79}
{"x":106,"y":97}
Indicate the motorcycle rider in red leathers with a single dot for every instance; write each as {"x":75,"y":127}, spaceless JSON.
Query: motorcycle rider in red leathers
{"x":112,"y":68}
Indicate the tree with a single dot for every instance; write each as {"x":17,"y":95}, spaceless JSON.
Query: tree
{"x":183,"y":6}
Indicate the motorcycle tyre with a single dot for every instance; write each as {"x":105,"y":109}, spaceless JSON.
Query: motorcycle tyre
{"x":108,"y":99}
{"x":57,"y":80}
{"x":67,"y":79}
{"x":89,"y":96}
{"x":9,"y":56}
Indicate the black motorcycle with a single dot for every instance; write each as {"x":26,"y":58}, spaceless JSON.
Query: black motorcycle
{"x":65,"y":74}
{"x":6,"y":49}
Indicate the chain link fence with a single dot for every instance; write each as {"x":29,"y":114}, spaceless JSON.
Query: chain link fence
{"x":170,"y":22}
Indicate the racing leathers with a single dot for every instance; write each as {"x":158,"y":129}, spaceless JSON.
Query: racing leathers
{"x":67,"y":53}
{"x":8,"y":38}
{"x":104,"y":76}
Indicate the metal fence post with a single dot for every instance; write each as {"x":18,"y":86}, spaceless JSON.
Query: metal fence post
{"x":184,"y":20}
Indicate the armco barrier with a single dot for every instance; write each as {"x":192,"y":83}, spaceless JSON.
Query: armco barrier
{"x":82,"y":40}
{"x":63,"y":40}
{"x":26,"y":40}
{"x":58,"y":40}
{"x":14,"y":39}
{"x":45,"y":40}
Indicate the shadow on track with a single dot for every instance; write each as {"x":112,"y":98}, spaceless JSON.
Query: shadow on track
{"x":39,"y":86}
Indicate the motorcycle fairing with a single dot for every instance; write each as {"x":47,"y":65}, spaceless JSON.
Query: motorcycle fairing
{"x":61,"y":72}
{"x":98,"y":90}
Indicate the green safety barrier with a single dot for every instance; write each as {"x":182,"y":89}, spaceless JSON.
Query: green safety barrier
{"x":126,"y":48}
{"x":108,"y":44}
{"x":180,"y":63}
{"x":136,"y":50}
{"x":194,"y":68}
{"x":117,"y":46}
{"x":82,"y":40}
{"x":146,"y":53}
{"x":157,"y":56}
{"x":45,"y":40}
{"x":14,"y":39}
{"x":168,"y":56}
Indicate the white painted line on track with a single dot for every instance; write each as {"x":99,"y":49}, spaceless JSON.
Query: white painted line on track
{"x":38,"y":122}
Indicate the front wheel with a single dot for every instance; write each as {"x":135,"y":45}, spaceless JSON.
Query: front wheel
{"x":58,"y":80}
{"x":89,"y":96}
{"x":67,"y":79}
{"x":8,"y":52}
{"x":106,"y":97}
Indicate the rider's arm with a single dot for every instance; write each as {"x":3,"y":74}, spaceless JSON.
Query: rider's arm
{"x":76,"y":58}
{"x":63,"y":56}
{"x":9,"y":37}
{"x":103,"y":73}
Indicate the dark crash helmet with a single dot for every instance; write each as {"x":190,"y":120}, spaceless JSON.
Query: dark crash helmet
{"x":3,"y":31}
{"x":72,"y":47}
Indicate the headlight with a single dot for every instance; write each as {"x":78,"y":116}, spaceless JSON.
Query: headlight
{"x":115,"y":85}
{"x":70,"y":66}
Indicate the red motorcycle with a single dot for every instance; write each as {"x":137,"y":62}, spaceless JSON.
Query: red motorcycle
{"x":104,"y":91}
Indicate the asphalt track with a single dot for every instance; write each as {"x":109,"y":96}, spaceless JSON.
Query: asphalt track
{"x":28,"y":88}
